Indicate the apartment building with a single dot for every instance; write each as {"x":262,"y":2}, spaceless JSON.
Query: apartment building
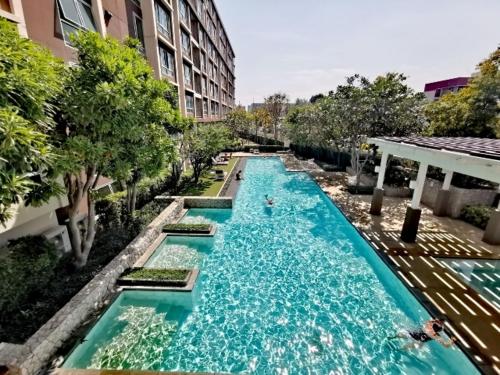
{"x":184,"y":41}
{"x":434,"y":90}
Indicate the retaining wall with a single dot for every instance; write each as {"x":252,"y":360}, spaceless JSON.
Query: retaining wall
{"x":459,"y":197}
{"x":33,"y":356}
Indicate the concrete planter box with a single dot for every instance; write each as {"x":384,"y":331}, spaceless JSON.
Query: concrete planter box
{"x":459,"y":197}
{"x":129,"y":281}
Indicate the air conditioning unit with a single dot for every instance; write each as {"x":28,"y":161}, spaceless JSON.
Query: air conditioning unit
{"x":59,"y":237}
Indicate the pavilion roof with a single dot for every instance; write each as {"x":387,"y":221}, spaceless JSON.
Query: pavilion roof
{"x":481,"y":147}
{"x":477,"y":157}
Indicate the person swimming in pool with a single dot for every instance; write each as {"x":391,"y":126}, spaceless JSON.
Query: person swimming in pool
{"x":269,"y":200}
{"x":429,"y":331}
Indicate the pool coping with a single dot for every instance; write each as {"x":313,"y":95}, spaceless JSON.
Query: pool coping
{"x":483,"y":368}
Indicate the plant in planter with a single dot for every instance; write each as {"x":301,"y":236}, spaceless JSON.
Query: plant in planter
{"x":188,"y":228}
{"x":152,"y":276}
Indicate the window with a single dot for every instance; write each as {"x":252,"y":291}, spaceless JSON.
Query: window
{"x":183,"y":9}
{"x":163,"y":21}
{"x":187,"y":75}
{"x":212,"y":89}
{"x":75,"y":15}
{"x":204,"y":86}
{"x":203,"y":61}
{"x":205,"y":108}
{"x":139,"y":32}
{"x":186,"y":44}
{"x":198,"y":7}
{"x":202,"y":39}
{"x":189,"y":104}
{"x":167,"y":62}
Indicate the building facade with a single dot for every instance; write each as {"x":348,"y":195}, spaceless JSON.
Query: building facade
{"x":434,"y":90}
{"x":184,"y":41}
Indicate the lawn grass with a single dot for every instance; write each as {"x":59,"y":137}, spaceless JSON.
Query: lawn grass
{"x":207,"y":185}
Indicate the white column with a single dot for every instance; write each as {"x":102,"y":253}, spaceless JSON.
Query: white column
{"x":381,"y":171}
{"x":417,"y":193}
{"x":447,"y":179}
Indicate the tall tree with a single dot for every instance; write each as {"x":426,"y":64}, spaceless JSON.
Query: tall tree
{"x":262,"y":120}
{"x":30,"y":80}
{"x":105,"y":115}
{"x":152,"y":149}
{"x":238,"y":121}
{"x":396,"y":109}
{"x":352,"y":108}
{"x":203,"y":143}
{"x":474,"y":110}
{"x":277,"y":106}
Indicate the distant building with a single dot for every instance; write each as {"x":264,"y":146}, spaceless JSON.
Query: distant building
{"x":254,"y":106}
{"x":434,"y":90}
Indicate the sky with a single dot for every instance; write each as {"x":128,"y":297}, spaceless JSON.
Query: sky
{"x":304,"y":47}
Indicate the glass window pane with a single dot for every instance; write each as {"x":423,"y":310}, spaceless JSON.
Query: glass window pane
{"x":87,"y":18}
{"x":68,"y":29}
{"x":69,"y":11}
{"x":138,"y":30}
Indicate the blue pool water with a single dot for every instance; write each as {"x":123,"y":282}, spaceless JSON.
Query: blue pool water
{"x":291,"y":289}
{"x":180,"y":252}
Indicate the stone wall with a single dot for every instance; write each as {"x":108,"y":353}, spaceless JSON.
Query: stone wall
{"x":33,"y":356}
{"x":459,"y":197}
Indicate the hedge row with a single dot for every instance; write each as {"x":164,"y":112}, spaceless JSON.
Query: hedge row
{"x":340,"y":159}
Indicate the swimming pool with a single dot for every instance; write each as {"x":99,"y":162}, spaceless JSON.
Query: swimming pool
{"x":289,"y":289}
{"x":184,"y":252}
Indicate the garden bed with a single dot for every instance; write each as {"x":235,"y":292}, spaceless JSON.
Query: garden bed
{"x":181,"y":228}
{"x":155,"y":277}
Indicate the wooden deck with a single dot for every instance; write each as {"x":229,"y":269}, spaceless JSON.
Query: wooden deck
{"x":471,"y":318}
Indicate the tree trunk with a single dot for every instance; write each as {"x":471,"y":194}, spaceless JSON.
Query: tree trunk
{"x":77,"y":189}
{"x":176,"y":174}
{"x":134,"y":197}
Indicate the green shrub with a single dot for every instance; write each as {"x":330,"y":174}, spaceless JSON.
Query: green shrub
{"x":28,"y":265}
{"x":476,"y":215}
{"x":155,"y":274}
{"x":187,"y":228}
{"x":111,"y":210}
{"x":141,"y":218}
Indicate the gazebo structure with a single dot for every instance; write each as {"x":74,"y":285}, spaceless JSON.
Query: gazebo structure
{"x":476,"y":157}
